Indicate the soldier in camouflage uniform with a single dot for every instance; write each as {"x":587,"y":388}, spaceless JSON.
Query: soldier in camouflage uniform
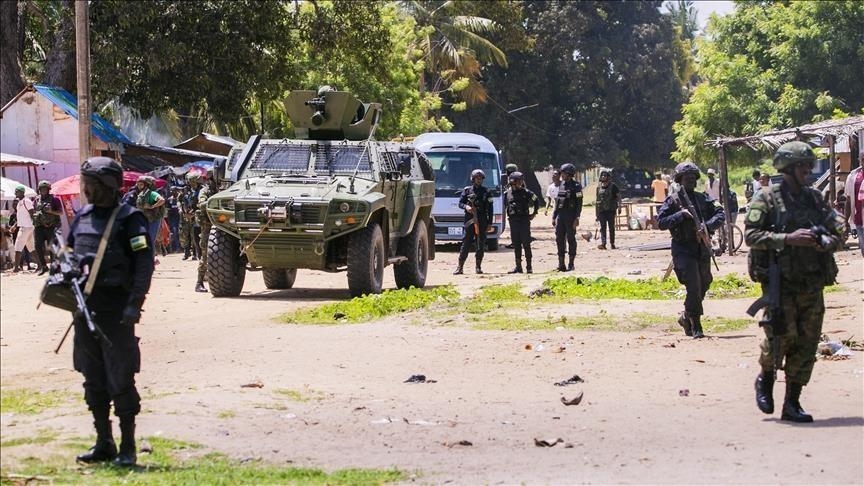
{"x":206,"y":191}
{"x":188,"y":207}
{"x":782,"y":219}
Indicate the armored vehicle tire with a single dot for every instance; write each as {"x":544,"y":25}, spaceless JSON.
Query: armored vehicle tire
{"x":492,"y":245}
{"x":226,"y":270}
{"x":366,"y":261}
{"x":415,"y":247}
{"x":279,"y":278}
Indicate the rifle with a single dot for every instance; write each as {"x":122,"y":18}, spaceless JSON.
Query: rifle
{"x":701,"y":230}
{"x":65,"y":270}
{"x":472,"y":201}
{"x":773,"y":315}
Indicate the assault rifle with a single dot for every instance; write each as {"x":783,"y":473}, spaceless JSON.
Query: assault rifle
{"x":773,"y":316}
{"x":472,"y":201}
{"x":701,"y":230}
{"x":65,"y":272}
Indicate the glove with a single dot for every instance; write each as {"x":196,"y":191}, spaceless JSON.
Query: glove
{"x":131,"y":315}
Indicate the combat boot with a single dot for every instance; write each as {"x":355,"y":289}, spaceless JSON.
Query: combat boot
{"x":186,"y":253}
{"x":199,"y":287}
{"x":765,"y":392}
{"x":570,"y":265}
{"x":561,"y":267}
{"x":601,"y":246}
{"x":516,"y":269}
{"x":477,"y":269}
{"x":528,"y":268}
{"x":104,"y":450}
{"x":696,"y":322}
{"x":127,"y":456}
{"x":684,"y":322}
{"x":459,"y":269}
{"x":792,"y":410}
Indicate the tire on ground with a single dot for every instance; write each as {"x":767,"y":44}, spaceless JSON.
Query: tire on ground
{"x":226,"y":269}
{"x":366,"y":261}
{"x":279,"y":278}
{"x":415,"y":247}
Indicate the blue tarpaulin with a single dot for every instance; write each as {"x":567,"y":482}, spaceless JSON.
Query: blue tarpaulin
{"x":100,"y":127}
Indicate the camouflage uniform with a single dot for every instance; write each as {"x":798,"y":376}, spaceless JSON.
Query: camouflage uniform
{"x":204,"y":222}
{"x":188,"y":225}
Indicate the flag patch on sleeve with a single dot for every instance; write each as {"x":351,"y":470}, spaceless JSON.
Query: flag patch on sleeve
{"x":138,"y":242}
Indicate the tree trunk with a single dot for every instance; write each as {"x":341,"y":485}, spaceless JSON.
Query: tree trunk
{"x":60,"y":63}
{"x":11,"y":76}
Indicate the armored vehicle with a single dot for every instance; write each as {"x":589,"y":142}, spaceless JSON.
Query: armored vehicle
{"x":331,"y":199}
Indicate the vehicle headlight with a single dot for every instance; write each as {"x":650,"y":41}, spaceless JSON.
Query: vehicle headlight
{"x":344,"y":207}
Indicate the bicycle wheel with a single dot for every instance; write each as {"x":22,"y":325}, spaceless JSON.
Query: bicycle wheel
{"x":737,"y":237}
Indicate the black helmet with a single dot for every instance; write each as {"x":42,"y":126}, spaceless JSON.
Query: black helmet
{"x":791,"y":153}
{"x":477,"y":172}
{"x":516,"y":176}
{"x":106,"y":170}
{"x":568,"y":169}
{"x":684,"y":168}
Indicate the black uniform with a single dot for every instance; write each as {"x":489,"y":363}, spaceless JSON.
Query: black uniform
{"x":122,"y":283}
{"x":607,"y":204}
{"x":521,"y":206}
{"x":479,"y":198}
{"x":568,"y":208}
{"x":690,"y":258}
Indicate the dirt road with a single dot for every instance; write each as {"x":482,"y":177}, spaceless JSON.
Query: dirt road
{"x":657,"y":407}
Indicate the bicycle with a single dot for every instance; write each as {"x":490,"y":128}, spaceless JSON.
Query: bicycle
{"x":719,"y":243}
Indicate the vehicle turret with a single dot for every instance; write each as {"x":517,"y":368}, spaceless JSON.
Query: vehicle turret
{"x":331,"y":115}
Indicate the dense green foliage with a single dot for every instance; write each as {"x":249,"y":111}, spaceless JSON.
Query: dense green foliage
{"x":771,"y":65}
{"x":728,"y":286}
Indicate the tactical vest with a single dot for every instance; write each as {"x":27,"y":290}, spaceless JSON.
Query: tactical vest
{"x":518,"y":203}
{"x":569,"y":195}
{"x":801,"y":268}
{"x":686,"y":231}
{"x":41,"y":217}
{"x":605,"y":198}
{"x":116,"y":269}
{"x":152,"y":214}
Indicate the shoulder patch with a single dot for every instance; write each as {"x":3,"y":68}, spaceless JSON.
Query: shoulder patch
{"x":138,"y":242}
{"x":754,"y":215}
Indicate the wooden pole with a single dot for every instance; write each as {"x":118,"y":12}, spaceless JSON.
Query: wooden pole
{"x":724,"y":199}
{"x":82,"y":61}
{"x":832,"y":168}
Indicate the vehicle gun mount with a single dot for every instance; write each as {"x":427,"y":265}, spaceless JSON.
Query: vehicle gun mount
{"x":331,"y":115}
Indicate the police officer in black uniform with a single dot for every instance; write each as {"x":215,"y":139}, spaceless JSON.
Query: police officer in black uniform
{"x":565,"y":216}
{"x":476,"y":201}
{"x":521,"y":205}
{"x":115,"y":301}
{"x":691,"y":258}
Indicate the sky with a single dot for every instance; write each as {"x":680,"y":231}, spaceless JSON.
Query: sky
{"x":704,"y":9}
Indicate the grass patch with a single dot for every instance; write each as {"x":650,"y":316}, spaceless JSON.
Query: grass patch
{"x":733,"y":286}
{"x":370,"y":307}
{"x":163,"y":467}
{"x":495,"y":296}
{"x":42,"y":437}
{"x":30,"y":402}
{"x":724,"y":324}
{"x":226,"y":414}
{"x":299,"y":396}
{"x":641,"y":289}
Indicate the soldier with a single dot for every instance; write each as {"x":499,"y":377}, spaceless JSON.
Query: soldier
{"x":522,"y":206}
{"x":203,"y":220}
{"x":779,"y":221}
{"x":476,"y":201}
{"x":121,"y":284}
{"x":509,"y":169}
{"x":151,"y":204}
{"x":46,"y":219}
{"x":188,"y":207}
{"x":608,"y":201}
{"x":565,"y":216}
{"x":690,"y":255}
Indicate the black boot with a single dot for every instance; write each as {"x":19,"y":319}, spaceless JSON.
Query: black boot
{"x":696,"y":322}
{"x":561,"y":267}
{"x":684,"y":322}
{"x":528,"y":268}
{"x":459,"y":269}
{"x":105,"y":449}
{"x":186,"y":253}
{"x":765,"y":392}
{"x":517,"y":268}
{"x":477,"y":268}
{"x":792,"y":410}
{"x":199,"y":287}
{"x":570,"y":266}
{"x":126,"y":457}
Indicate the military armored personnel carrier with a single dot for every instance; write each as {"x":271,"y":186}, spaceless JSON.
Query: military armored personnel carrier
{"x":330,"y":199}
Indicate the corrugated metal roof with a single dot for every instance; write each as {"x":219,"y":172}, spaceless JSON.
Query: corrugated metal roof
{"x":101,"y":128}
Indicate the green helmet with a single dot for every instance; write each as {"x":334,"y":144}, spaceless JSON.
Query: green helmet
{"x":510,"y":168}
{"x":147,"y":181}
{"x":791,"y":153}
{"x":44,"y":184}
{"x":193,"y":177}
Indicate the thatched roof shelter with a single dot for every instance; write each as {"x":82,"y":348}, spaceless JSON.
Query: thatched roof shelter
{"x":771,"y":140}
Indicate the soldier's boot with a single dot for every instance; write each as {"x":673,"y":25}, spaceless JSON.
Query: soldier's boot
{"x":684,"y":322}
{"x":765,"y":392}
{"x":127,"y":456}
{"x":792,"y":410}
{"x":561,"y":267}
{"x":601,"y":246}
{"x":517,"y":268}
{"x":460,"y":268}
{"x":199,"y":287}
{"x":186,"y":253}
{"x":696,"y":322}
{"x":528,"y":268}
{"x":477,"y":268}
{"x":17,"y":262}
{"x":105,"y":449}
{"x":570,"y":265}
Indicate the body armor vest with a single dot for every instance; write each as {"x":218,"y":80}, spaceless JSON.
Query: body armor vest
{"x":568,"y":195}
{"x":605,"y":198}
{"x":116,"y":269}
{"x":42,"y":217}
{"x":518,"y":203}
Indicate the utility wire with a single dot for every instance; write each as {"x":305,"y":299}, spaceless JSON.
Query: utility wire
{"x":507,"y":112}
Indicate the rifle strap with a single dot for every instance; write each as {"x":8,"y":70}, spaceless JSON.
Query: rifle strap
{"x":100,"y":253}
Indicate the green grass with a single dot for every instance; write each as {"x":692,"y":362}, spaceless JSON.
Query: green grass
{"x":371,"y":307}
{"x":226,"y":414}
{"x":493,"y":297}
{"x":30,"y":402}
{"x":299,"y":396}
{"x":733,"y":286}
{"x":163,"y":466}
{"x":42,"y":437}
{"x":653,"y":288}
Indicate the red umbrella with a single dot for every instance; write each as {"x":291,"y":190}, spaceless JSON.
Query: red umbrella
{"x":71,"y":186}
{"x":130,"y":177}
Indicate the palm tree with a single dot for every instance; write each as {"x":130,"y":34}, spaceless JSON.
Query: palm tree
{"x":454,"y":46}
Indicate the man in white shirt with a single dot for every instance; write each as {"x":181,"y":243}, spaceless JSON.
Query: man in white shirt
{"x":552,"y":190}
{"x":712,"y":185}
{"x":24,"y":222}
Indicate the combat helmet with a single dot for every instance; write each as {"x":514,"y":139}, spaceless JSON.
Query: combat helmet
{"x":193,"y":177}
{"x":516,"y":176}
{"x":477,"y":172}
{"x":106,"y":170}
{"x":147,"y":180}
{"x":569,"y":169}
{"x":791,"y":153}
{"x":44,"y":184}
{"x":685,"y":168}
{"x":511,"y":168}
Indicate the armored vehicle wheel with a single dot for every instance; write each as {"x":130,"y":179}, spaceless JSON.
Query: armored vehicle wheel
{"x":226,"y":270}
{"x":279,"y":278}
{"x":492,"y":245}
{"x":366,"y":261}
{"x":415,"y":247}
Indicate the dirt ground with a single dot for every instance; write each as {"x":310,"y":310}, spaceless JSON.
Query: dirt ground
{"x":658,"y":407}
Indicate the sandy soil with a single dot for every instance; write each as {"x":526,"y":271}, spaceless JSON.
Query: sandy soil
{"x":636,"y":424}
